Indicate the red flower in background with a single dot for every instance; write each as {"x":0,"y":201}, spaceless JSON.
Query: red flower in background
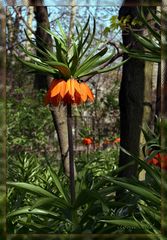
{"x":159,"y":160}
{"x":117,"y":140}
{"x":87,"y":141}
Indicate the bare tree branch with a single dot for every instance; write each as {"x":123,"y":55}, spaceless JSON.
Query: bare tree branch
{"x":22,"y":18}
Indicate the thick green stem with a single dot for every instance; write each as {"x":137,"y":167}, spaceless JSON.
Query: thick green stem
{"x":71,"y":153}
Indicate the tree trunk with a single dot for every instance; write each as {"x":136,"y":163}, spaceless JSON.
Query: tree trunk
{"x":41,"y":16}
{"x":59,"y":113}
{"x":158,"y":92}
{"x":130,"y":101}
{"x":12,"y":24}
{"x":30,"y":14}
{"x":148,"y":108}
{"x":72,"y":19}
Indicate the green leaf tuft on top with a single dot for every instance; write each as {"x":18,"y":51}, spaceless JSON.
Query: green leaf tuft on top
{"x":72,"y":59}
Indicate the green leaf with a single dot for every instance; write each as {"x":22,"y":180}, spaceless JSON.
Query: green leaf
{"x":80,"y":47}
{"x":61,"y":57}
{"x":154,"y":173}
{"x":86,"y":25}
{"x":103,"y":70}
{"x":151,"y":172}
{"x":57,"y":38}
{"x":30,"y":54}
{"x":145,"y":193}
{"x":149,"y":27}
{"x":91,"y":39}
{"x":75,"y":59}
{"x":151,"y":211}
{"x":56,"y":201}
{"x":63,"y":68}
{"x":52,"y":55}
{"x":61,"y":46}
{"x":155,"y":17}
{"x":126,"y":223}
{"x":146,"y":56}
{"x":61,"y":30}
{"x":81,"y":43}
{"x":146,"y":42}
{"x":33,"y":44}
{"x":108,"y":190}
{"x":87,"y":196}
{"x":31,"y":188}
{"x":89,"y":63}
{"x":36,"y":211}
{"x":120,"y":169}
{"x":107,"y":58}
{"x":58,"y":185}
{"x":38,"y":67}
{"x":149,"y":224}
{"x":38,"y":228}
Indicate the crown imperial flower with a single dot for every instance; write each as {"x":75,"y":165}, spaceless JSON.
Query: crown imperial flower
{"x":117,"y":140}
{"x":68,"y":92}
{"x":66,"y":60}
{"x":87,"y":141}
{"x":159,"y":160}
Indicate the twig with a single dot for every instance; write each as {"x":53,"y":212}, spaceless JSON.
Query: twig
{"x":24,"y":21}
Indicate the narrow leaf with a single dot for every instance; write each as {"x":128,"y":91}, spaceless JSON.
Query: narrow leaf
{"x":33,"y":44}
{"x":36,"y":211}
{"x":145,"y":42}
{"x":91,"y":39}
{"x":61,"y":30}
{"x":150,"y":28}
{"x":139,"y":190}
{"x":58,"y":202}
{"x":58,"y":184}
{"x":89,"y":63}
{"x":38,"y":67}
{"x":63,"y":68}
{"x":31,"y":188}
{"x":103,"y":70}
{"x":125,"y":223}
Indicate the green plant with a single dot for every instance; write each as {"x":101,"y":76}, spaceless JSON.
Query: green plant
{"x":144,"y":195}
{"x":72,"y":57}
{"x":53,"y":212}
{"x":99,"y":163}
{"x":26,"y":131}
{"x":151,"y":42}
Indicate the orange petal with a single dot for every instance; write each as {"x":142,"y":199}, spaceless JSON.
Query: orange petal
{"x":86,"y":92}
{"x":62,"y":88}
{"x":89,"y":93}
{"x":77,"y":86}
{"x":48,"y":94}
{"x":70,"y":87}
{"x":83,"y":92}
{"x":56,"y":88}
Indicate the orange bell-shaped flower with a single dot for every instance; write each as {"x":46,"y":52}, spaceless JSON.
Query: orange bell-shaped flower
{"x":87,"y":141}
{"x":68,"y":92}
